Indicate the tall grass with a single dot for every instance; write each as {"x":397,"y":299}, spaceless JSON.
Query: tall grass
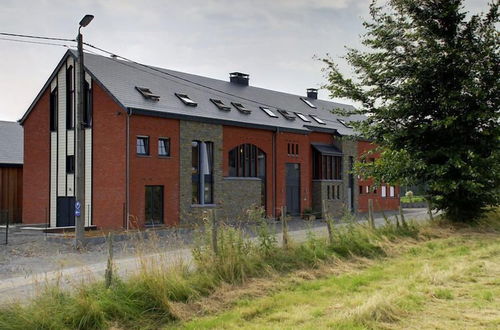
{"x":147,"y":299}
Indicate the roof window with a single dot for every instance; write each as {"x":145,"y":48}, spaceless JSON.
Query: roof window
{"x":269,"y":112}
{"x":317,"y":119}
{"x":186,"y":100}
{"x":306,"y":101}
{"x":146,"y":92}
{"x":219,"y":104}
{"x":345,"y":123}
{"x":302,"y":117}
{"x":286,"y":114}
{"x":241,"y":108}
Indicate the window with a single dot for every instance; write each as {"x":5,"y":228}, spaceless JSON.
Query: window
{"x":143,"y":145}
{"x":70,"y":100}
{"x":202,"y":172}
{"x":306,"y":101}
{"x":391,"y":191}
{"x":219,"y":104}
{"x":338,"y":192}
{"x":317,"y":119}
{"x":287,"y":115}
{"x":367,"y":189}
{"x":375,"y":189}
{"x":241,"y":108}
{"x":269,"y":112}
{"x":293,"y":149}
{"x":87,"y":105}
{"x":70,"y":164}
{"x":343,"y":122}
{"x":146,"y":92}
{"x":154,"y":205}
{"x":360,"y":190}
{"x":328,"y":196}
{"x":326,"y":167}
{"x":186,"y":100}
{"x":302,"y":117}
{"x":53,"y":110}
{"x":246,"y":160}
{"x":164,"y":147}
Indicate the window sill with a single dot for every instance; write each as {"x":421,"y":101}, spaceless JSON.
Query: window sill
{"x":143,"y":156}
{"x":242,"y":178}
{"x":203,"y":205}
{"x":164,"y":157}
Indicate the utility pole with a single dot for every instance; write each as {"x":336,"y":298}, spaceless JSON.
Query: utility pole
{"x":80,"y":211}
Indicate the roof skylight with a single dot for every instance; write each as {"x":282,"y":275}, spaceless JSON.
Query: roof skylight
{"x":317,"y":119}
{"x":241,"y":108}
{"x":219,"y":104}
{"x":302,"y":117}
{"x":345,"y":123}
{"x":186,"y":100}
{"x":306,"y":101}
{"x":146,"y":92}
{"x":286,"y":114}
{"x":269,"y":112}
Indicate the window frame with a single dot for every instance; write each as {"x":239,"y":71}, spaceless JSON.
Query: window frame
{"x":168,"y":148}
{"x":220,"y":105}
{"x":241,"y":108}
{"x":54,"y":109}
{"x":302,"y":117}
{"x":269,"y":112}
{"x":309,"y":103}
{"x":318,"y":120}
{"x":147,"y":93}
{"x":146,"y":145}
{"x":186,"y":100}
{"x":70,"y":97}
{"x":70,"y":164}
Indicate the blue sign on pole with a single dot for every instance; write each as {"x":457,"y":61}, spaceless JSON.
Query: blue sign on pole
{"x":78,"y":208}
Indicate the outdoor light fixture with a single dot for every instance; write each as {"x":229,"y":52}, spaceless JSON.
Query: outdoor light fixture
{"x":86,"y":20}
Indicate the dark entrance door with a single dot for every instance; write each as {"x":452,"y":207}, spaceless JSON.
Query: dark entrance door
{"x":65,"y":211}
{"x":154,"y":205}
{"x":293,"y":188}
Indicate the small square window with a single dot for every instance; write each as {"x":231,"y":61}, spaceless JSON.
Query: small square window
{"x":317,"y":119}
{"x":287,"y":115}
{"x":241,"y":108}
{"x":269,"y":112}
{"x":143,"y":145}
{"x":306,"y":101}
{"x":186,"y":100}
{"x":146,"y":92}
{"x":302,"y":117}
{"x":70,"y":164}
{"x":219,"y":104}
{"x":164,"y":147}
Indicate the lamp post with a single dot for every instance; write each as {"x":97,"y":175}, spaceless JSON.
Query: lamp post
{"x":80,"y":211}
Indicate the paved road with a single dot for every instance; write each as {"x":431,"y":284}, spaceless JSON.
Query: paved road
{"x":22,"y":287}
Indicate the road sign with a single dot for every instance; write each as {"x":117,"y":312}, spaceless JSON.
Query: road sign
{"x":78,"y":208}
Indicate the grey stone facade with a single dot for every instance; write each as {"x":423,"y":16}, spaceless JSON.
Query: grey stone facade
{"x":349,"y":149}
{"x":238,"y":195}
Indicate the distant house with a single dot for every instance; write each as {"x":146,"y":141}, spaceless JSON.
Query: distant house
{"x":161,"y":146}
{"x":11,"y":171}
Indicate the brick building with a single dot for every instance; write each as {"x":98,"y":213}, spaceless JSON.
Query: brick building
{"x":161,"y":146}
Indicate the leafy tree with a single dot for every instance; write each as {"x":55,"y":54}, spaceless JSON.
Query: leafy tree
{"x":428,"y":81}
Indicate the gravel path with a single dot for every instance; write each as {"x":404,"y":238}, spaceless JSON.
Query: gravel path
{"x":30,"y":262}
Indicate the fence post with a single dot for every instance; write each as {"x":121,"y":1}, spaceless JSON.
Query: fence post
{"x":371,"y":221}
{"x":213,"y":220}
{"x":328,"y":220}
{"x":429,"y":210}
{"x":284,"y":227}
{"x":401,"y":214}
{"x":109,"y":269}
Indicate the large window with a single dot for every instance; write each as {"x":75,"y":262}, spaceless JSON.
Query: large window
{"x":248,"y":161}
{"x":202,"y":172}
{"x":326,"y":167}
{"x":154,"y":205}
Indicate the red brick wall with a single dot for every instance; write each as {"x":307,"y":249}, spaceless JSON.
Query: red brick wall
{"x":36,"y":162}
{"x":108,"y":166}
{"x":379,"y":203}
{"x":154,"y":170}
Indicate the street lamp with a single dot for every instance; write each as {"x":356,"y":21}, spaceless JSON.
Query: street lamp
{"x":80,"y":211}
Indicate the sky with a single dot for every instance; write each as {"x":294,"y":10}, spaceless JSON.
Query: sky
{"x":275,"y":41}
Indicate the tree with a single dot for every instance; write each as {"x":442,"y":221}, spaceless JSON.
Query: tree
{"x":428,"y":82}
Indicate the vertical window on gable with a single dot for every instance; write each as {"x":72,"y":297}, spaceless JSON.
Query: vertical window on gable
{"x":70,"y":164}
{"x":202,"y":172}
{"x":87,"y":105}
{"x":164,"y":147}
{"x":142,"y":145}
{"x":70,"y":99}
{"x":53,"y":110}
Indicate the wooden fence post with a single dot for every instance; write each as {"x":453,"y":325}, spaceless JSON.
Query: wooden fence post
{"x":213,"y":219}
{"x":429,"y":210}
{"x":284,"y":227}
{"x":109,"y":268}
{"x":401,"y":214}
{"x":329,"y":224}
{"x":371,"y":220}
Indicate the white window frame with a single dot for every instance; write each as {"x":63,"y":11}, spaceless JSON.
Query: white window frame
{"x":392,"y":191}
{"x":383,"y":191}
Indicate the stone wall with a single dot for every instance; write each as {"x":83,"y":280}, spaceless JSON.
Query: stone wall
{"x":349,"y":149}
{"x":332,"y":192}
{"x":237,"y":196}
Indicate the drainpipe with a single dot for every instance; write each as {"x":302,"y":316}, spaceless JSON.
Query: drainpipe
{"x":127,"y":171}
{"x":274,"y":170}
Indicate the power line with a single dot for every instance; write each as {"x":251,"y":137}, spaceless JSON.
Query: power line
{"x":34,"y":37}
{"x":36,"y":42}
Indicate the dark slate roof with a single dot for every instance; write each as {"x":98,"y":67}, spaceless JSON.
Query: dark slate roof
{"x":11,"y":143}
{"x":120,"y":78}
{"x":327,"y":149}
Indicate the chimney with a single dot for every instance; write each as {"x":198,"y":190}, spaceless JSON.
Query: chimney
{"x":312,"y":93}
{"x":239,"y":78}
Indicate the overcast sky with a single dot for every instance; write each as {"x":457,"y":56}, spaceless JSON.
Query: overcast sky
{"x":274,"y":41}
